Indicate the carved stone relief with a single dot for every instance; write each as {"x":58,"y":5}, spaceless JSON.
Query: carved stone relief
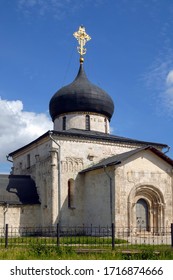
{"x":72,"y":164}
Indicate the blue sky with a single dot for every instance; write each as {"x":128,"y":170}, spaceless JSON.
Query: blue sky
{"x":130,"y":56}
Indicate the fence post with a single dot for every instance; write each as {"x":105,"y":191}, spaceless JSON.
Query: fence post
{"x":172,"y":234}
{"x":113,"y":235}
{"x":6,"y":235}
{"x":58,"y":235}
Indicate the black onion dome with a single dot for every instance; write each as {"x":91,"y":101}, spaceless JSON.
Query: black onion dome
{"x":81,"y":96}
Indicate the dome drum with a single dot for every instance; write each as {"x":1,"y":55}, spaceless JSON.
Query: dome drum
{"x":82,"y":120}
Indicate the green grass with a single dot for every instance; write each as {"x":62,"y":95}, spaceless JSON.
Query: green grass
{"x":42,"y":252}
{"x":79,"y":248}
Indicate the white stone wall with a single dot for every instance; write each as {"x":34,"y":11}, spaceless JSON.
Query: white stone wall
{"x":16,"y":216}
{"x":78,"y":120}
{"x":150,"y":174}
{"x":43,"y":163}
{"x":142,"y":176}
{"x":77,"y":155}
{"x":38,"y":152}
{"x":90,"y":191}
{"x":97,"y":199}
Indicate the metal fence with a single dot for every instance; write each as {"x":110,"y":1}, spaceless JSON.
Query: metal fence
{"x":84,"y":236}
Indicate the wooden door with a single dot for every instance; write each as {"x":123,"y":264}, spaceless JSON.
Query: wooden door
{"x":142,"y":214}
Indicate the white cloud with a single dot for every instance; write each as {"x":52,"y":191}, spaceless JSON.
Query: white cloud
{"x":168,"y":93}
{"x":19,"y":127}
{"x":169,"y":98}
{"x":169,"y":78}
{"x":159,"y":80}
{"x":112,"y":129}
{"x":57,"y":8}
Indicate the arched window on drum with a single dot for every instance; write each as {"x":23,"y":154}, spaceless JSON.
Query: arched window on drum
{"x":87,"y":122}
{"x":64,"y":123}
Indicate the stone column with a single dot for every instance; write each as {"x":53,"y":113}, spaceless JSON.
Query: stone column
{"x":54,"y":187}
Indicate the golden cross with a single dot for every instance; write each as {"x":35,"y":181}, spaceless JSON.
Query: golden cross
{"x":82,"y":37}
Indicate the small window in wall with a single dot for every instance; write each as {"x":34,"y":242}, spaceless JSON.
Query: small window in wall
{"x":64,"y":123}
{"x":71,"y":193}
{"x":28,"y":161}
{"x":87,"y":122}
{"x":106,"y":126}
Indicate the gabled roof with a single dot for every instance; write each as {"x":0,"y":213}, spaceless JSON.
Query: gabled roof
{"x":118,"y":159}
{"x":91,"y":135}
{"x":96,"y":135}
{"x":18,"y":189}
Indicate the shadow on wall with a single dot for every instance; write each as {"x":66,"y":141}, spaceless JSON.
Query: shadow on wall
{"x":22,"y":189}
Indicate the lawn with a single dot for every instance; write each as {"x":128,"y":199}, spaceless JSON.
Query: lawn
{"x":42,"y":252}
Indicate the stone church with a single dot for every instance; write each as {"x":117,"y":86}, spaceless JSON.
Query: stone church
{"x":79,"y":173}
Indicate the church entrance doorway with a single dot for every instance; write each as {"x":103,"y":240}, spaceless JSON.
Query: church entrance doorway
{"x":142,"y":215}
{"x":146,"y":209}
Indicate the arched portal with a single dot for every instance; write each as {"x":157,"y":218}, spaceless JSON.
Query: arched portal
{"x":146,"y":209}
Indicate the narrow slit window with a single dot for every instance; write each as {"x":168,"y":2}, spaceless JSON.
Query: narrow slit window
{"x":87,"y":122}
{"x":106,"y":126}
{"x":64,"y":123}
{"x":71,"y":193}
{"x":28,"y":161}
